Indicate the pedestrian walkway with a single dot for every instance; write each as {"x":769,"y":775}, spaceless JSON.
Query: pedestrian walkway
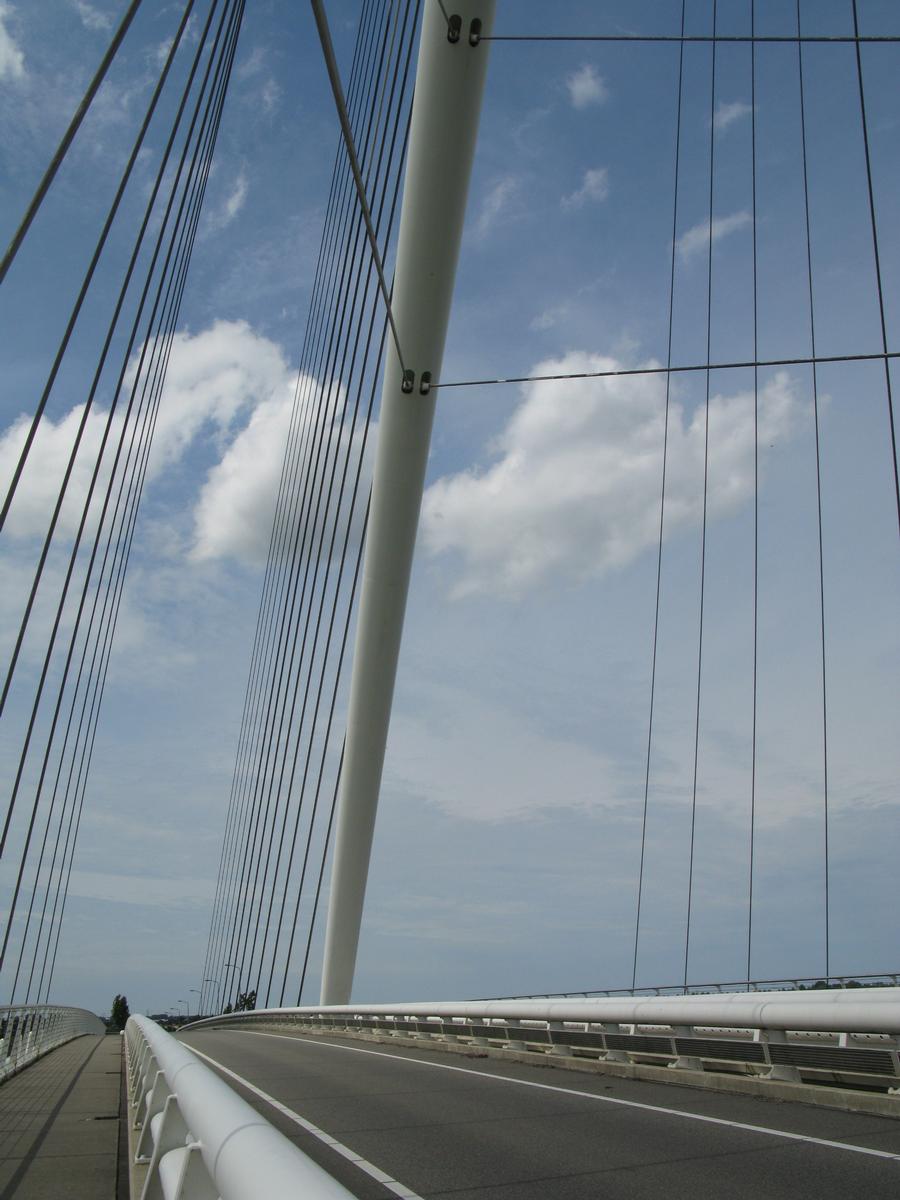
{"x":59,"y":1124}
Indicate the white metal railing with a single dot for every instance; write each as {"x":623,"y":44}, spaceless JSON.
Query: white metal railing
{"x":29,"y":1030}
{"x":787,"y":1036}
{"x":199,"y":1139}
{"x":793,"y":984}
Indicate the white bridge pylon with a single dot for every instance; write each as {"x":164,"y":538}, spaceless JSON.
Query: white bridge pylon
{"x":450,"y":77}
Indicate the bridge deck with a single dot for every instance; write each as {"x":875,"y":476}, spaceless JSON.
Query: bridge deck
{"x":59,"y":1124}
{"x":477,"y":1128}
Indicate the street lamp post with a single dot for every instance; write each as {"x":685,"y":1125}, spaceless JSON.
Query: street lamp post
{"x":197,"y":990}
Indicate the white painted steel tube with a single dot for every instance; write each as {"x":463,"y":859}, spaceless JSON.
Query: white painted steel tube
{"x":245,"y":1156}
{"x":869,"y":1010}
{"x":449,"y":86}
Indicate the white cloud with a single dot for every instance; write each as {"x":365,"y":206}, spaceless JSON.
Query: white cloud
{"x":251,"y":65}
{"x":727,"y":114}
{"x":547,"y":318}
{"x":586,"y":87}
{"x":92,"y":17}
{"x":697,"y":238}
{"x":161,"y":53}
{"x":575,"y":488}
{"x":230,"y":391}
{"x":214,"y":378}
{"x":39,"y":485}
{"x":270,"y":95}
{"x":12,"y":60}
{"x":495,"y":202}
{"x":224,"y":209}
{"x":236,"y":198}
{"x":594,"y":189}
{"x":234,"y":513}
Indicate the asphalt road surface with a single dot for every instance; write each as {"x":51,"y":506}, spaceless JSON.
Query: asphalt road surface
{"x":391,"y":1122}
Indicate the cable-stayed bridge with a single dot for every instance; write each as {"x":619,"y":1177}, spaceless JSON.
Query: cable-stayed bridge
{"x":746,"y":355}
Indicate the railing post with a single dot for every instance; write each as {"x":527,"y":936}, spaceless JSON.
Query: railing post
{"x":449,"y":85}
{"x":684,"y":1062}
{"x":152,"y":1102}
{"x":780,"y":1071}
{"x":172,"y":1134}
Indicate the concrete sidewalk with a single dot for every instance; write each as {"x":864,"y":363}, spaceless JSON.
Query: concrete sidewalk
{"x":59,"y":1124}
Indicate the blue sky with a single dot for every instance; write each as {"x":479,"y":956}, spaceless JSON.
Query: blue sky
{"x":508,"y":840}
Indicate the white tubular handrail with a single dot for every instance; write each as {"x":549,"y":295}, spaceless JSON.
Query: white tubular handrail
{"x":857,"y":1010}
{"x":201,"y":1139}
{"x":790,"y":1037}
{"x":28,"y":1031}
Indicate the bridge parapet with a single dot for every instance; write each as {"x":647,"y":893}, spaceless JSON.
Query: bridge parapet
{"x":198,"y":1138}
{"x":844,"y":1037}
{"x":28,"y":1031}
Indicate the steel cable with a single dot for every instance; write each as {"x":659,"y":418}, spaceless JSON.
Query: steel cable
{"x":815,"y":386}
{"x":348,"y":526}
{"x":92,"y":265}
{"x":755,"y":687}
{"x":74,"y":553}
{"x":237,"y":16}
{"x":67,"y":139}
{"x":232,"y":891}
{"x":662,"y":503}
{"x":316,"y":481}
{"x":231,"y":814}
{"x":322,"y":524}
{"x":140,"y":450}
{"x":114,"y":475}
{"x":709,"y":277}
{"x":252,"y":847}
{"x":877,"y":255}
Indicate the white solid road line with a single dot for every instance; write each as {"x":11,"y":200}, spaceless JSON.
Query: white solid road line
{"x":370,"y":1169}
{"x":549,"y":1087}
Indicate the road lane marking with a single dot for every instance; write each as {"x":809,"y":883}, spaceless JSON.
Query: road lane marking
{"x":382,"y":1177}
{"x":549,"y":1087}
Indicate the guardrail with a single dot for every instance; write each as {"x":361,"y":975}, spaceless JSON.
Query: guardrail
{"x":200,"y":1139}
{"x":28,"y":1031}
{"x":850,"y":1037}
{"x":806,"y":983}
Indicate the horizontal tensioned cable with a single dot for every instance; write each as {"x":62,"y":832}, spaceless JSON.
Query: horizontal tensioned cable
{"x":675,"y":370}
{"x":653,"y":38}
